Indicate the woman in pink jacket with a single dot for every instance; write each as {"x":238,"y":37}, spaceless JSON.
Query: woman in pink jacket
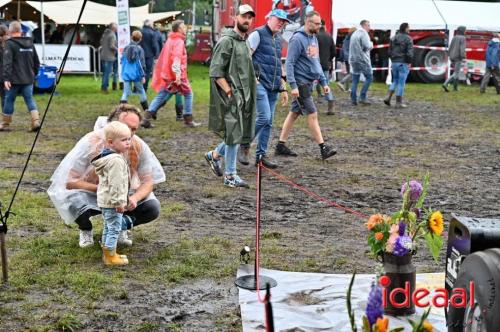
{"x":170,"y":76}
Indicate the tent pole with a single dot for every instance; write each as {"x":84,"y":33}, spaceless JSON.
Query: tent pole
{"x":388,"y":80}
{"x":19,"y":9}
{"x":42,"y":29}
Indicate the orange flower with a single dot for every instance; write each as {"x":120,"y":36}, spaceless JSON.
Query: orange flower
{"x":428,"y":326}
{"x":374,"y":220}
{"x":379,"y":236}
{"x":436,"y":223}
{"x":382,"y":324}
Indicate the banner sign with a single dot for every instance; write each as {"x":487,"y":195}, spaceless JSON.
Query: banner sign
{"x":123,"y":28}
{"x":78,"y":58}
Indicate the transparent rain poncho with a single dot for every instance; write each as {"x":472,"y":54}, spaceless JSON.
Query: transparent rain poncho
{"x":71,"y":203}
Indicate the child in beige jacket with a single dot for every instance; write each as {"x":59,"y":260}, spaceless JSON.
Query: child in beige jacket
{"x":112,"y":190}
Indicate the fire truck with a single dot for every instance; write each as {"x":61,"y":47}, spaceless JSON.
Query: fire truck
{"x":433,"y":58}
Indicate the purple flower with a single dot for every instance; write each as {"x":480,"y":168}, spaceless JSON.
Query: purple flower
{"x":402,"y":228}
{"x":374,"y":308}
{"x":415,"y":190}
{"x":402,"y":246}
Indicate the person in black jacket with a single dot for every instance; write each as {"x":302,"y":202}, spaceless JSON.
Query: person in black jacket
{"x":401,"y":54}
{"x":4,"y":34}
{"x":151,"y":47}
{"x":20,"y":66}
{"x":327,"y":52}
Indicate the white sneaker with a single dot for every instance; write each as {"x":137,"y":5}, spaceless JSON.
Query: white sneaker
{"x":86,"y":239}
{"x":123,"y":239}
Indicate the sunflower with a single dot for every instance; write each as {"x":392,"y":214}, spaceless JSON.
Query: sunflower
{"x":428,"y":326}
{"x":436,"y":224}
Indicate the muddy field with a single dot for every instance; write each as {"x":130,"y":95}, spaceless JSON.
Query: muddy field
{"x":378,"y":149}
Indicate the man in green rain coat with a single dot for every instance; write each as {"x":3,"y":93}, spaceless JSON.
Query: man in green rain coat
{"x":232,"y":97}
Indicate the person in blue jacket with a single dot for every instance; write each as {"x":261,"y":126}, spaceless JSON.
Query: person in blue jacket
{"x":492,"y":64}
{"x":134,"y":70}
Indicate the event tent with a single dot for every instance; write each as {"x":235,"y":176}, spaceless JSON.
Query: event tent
{"x":66,"y":12}
{"x":420,"y":14}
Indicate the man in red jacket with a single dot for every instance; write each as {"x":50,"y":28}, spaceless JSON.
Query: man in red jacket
{"x":170,"y":76}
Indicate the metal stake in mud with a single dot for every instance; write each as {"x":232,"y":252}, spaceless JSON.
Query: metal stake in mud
{"x":3,"y":251}
{"x":256,"y":281}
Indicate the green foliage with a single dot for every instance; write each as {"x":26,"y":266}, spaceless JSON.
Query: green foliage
{"x":352,"y":319}
{"x":434,"y":243}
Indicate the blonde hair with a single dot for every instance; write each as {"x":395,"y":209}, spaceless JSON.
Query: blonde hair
{"x":136,"y":35}
{"x":15,"y":26}
{"x":116,"y":129}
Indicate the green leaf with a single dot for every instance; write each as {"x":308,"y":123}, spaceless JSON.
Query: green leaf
{"x":397,"y":329}
{"x":434,"y":243}
{"x":366,"y":324}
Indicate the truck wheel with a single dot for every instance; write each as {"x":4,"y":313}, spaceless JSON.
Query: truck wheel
{"x":430,"y":58}
{"x":483,"y":269}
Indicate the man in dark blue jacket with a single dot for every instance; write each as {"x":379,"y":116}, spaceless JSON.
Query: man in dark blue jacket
{"x":150,"y":45}
{"x":492,"y":64}
{"x":265,"y":44}
{"x":302,"y":69}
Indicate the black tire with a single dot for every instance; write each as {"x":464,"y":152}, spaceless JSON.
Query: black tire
{"x":429,"y":58}
{"x":483,"y":268}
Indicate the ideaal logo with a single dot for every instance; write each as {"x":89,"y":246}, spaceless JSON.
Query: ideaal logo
{"x":440,"y":297}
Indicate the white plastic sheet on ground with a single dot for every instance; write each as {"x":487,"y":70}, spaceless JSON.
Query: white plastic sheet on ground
{"x":317,"y":302}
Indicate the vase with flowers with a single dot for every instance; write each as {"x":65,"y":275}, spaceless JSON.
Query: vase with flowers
{"x":394,"y":239}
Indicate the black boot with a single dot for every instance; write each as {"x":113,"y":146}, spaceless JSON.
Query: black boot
{"x":144,"y":105}
{"x":327,"y":152}
{"x":455,"y":85}
{"x":243,"y":154}
{"x":123,"y":101}
{"x":114,"y":86}
{"x":178,"y":112}
{"x":331,"y":108}
{"x":388,"y":98}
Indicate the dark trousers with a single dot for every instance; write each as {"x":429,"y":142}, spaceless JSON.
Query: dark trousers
{"x":145,"y":212}
{"x":149,"y":71}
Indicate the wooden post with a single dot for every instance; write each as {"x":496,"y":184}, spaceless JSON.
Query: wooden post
{"x":3,"y":253}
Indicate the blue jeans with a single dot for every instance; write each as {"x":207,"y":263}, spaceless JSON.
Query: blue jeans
{"x":328,"y":96}
{"x":229,"y":152}
{"x":357,"y":70}
{"x":165,"y":95}
{"x":400,"y":72}
{"x":10,"y":97}
{"x":127,"y":90}
{"x":266,"y":104}
{"x":107,"y":69}
{"x":112,"y":227}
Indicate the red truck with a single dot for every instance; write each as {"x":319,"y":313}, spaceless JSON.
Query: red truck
{"x":435,"y":60}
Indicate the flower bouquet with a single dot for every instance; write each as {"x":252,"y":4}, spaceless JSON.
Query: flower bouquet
{"x":399,"y":233}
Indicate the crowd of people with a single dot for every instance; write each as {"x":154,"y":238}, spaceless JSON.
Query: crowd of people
{"x":111,"y":171}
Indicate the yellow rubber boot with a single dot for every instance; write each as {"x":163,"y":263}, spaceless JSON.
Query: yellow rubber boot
{"x":35,"y":121}
{"x":6,"y":120}
{"x":110,"y":257}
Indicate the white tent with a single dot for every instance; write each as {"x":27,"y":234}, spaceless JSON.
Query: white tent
{"x":66,"y":12}
{"x":420,"y":14}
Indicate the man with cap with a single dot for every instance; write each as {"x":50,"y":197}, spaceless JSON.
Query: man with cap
{"x":302,"y":70}
{"x":232,"y":97}
{"x":265,"y":44}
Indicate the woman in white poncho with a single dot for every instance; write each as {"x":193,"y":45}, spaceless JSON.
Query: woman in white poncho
{"x":74,"y":182}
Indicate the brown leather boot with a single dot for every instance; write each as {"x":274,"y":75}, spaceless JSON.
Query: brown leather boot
{"x":188,"y":121}
{"x":35,"y":121}
{"x":6,"y":120}
{"x":146,"y":120}
{"x":399,"y":102}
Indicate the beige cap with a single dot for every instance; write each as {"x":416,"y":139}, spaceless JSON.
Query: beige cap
{"x":243,"y":9}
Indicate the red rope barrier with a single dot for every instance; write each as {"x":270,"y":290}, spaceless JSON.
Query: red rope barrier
{"x":314,"y":195}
